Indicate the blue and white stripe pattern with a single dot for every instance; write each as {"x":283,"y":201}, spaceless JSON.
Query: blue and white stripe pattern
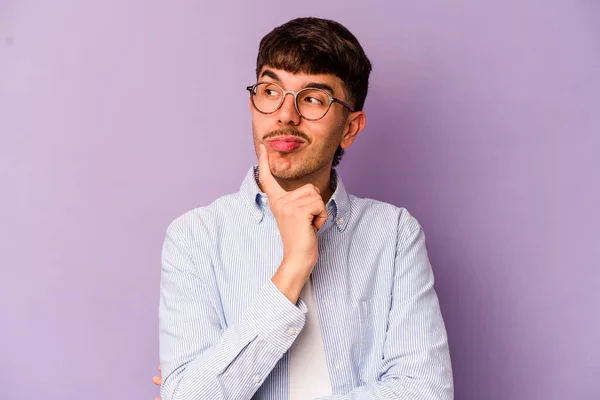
{"x":225,"y":328}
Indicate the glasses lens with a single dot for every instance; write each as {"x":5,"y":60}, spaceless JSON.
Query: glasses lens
{"x":267,"y":97}
{"x":313,"y":103}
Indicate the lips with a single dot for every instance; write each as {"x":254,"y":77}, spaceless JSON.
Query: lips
{"x":285,"y":144}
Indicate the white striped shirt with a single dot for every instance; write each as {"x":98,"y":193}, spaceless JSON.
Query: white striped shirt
{"x":226,"y":330}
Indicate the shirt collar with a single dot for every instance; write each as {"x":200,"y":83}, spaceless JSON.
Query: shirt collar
{"x":338,"y":207}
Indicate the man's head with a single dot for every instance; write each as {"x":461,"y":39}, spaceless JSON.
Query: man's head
{"x":308,"y":53}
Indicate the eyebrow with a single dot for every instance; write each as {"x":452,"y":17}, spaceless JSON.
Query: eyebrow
{"x":316,"y":85}
{"x":270,"y":74}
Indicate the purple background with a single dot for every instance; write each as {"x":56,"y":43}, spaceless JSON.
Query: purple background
{"x":117,"y":116}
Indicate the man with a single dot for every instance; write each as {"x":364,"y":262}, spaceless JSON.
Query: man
{"x":291,"y":288}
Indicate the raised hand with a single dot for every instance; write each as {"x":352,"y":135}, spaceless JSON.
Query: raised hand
{"x":299,"y":214}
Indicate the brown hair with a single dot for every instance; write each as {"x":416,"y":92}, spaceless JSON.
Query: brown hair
{"x":319,"y":46}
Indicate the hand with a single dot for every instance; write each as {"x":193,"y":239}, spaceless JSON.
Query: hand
{"x":299,"y":214}
{"x":157,"y":380}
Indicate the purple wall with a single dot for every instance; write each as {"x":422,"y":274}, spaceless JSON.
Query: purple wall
{"x":483,"y":120}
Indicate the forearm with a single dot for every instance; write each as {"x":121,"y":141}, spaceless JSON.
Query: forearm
{"x":400,"y":388}
{"x":237,"y":363}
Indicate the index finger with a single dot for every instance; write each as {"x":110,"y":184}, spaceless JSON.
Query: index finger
{"x":267,"y":181}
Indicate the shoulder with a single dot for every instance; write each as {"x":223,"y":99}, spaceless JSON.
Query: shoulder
{"x":203,"y":221}
{"x":394,"y":218}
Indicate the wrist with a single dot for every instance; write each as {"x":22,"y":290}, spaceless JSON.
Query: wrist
{"x":290,"y":278}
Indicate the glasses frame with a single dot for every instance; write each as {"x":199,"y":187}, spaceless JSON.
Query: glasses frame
{"x":295,"y":94}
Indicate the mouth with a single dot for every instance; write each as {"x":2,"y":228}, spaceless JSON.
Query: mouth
{"x":285,"y":144}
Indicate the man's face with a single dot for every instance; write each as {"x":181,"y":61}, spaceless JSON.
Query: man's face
{"x":316,"y":141}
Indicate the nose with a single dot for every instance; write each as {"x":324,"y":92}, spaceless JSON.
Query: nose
{"x":287,"y":114}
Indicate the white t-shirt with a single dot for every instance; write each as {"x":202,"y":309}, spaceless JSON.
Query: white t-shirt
{"x":308,"y":374}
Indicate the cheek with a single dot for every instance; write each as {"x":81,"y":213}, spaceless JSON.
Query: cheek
{"x":332,"y":128}
{"x":325,"y":138}
{"x":259,"y":124}
{"x":264,"y":123}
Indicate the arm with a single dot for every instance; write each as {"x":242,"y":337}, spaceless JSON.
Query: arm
{"x":200,"y":359}
{"x":416,"y":359}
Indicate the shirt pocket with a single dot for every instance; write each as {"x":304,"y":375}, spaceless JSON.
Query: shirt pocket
{"x":373,"y":324}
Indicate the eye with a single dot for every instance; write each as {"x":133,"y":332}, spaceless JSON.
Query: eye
{"x":271,"y":92}
{"x":313,"y":100}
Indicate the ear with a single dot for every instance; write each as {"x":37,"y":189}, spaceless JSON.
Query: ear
{"x":356,"y":123}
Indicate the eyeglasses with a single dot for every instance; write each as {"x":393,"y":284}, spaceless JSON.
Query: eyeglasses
{"x":311,"y":104}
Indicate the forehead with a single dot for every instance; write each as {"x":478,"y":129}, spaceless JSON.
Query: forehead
{"x":295,"y":81}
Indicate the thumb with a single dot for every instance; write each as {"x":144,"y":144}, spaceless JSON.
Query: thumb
{"x":320,"y":219}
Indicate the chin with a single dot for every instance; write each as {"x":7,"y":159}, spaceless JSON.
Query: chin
{"x":284,"y":171}
{"x":289,"y":170}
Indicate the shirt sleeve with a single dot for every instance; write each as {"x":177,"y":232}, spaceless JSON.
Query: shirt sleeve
{"x":200,"y":359}
{"x":416,"y":357}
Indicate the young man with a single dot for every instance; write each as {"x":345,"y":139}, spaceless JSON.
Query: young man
{"x":291,"y":288}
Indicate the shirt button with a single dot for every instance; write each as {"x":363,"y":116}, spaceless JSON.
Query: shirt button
{"x":264,"y":200}
{"x":258,"y":214}
{"x":256,"y":378}
{"x":341,"y":221}
{"x":292,"y":331}
{"x":278,"y":233}
{"x":337,"y":366}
